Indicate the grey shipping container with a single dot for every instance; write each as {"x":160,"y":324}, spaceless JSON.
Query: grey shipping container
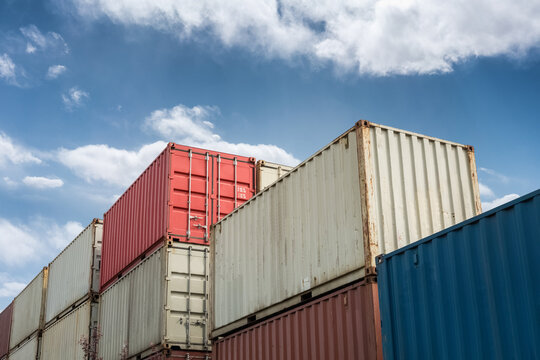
{"x":28,"y":308}
{"x":161,"y":303}
{"x":267,"y":173}
{"x":27,"y":350}
{"x":469,"y":292}
{"x":370,"y":191}
{"x":60,"y":340}
{"x":74,"y":273}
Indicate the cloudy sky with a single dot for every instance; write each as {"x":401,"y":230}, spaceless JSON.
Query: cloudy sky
{"x":91,"y":90}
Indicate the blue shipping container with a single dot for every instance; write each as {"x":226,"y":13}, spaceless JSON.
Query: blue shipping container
{"x":471,"y":291}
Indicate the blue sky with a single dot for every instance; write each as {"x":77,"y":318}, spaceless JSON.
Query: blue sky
{"x":91,"y":90}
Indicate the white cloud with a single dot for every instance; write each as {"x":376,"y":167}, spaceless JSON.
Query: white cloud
{"x":112,"y":165}
{"x":373,"y":37}
{"x":9,"y":182}
{"x":500,"y":177}
{"x":7,"y":69}
{"x":40,"y":239}
{"x":13,"y":153}
{"x":40,"y":182}
{"x":39,"y":41}
{"x":55,"y":71}
{"x":191,"y":126}
{"x":74,"y":97}
{"x":9,"y":287}
{"x":485,"y":191}
{"x":488,"y":205}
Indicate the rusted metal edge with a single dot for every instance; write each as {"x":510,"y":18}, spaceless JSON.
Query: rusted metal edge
{"x":290,"y":303}
{"x":474,"y":177}
{"x":365,"y":172}
{"x":43,"y":298}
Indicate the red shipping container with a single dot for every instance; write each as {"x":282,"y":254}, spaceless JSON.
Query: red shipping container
{"x":180,"y":195}
{"x":5,"y":329}
{"x":342,"y":325}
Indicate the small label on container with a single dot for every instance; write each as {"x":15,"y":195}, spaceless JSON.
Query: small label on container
{"x":306,"y":284}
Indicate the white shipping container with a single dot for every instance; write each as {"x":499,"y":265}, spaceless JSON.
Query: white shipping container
{"x":60,"y":340}
{"x":74,"y":273}
{"x":28,"y":309}
{"x":28,"y":350}
{"x":268,"y":173}
{"x":161,"y":303}
{"x":372,"y":190}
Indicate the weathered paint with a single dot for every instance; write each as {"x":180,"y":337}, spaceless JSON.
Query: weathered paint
{"x":342,"y":325}
{"x":178,"y":354}
{"x":468,"y":292}
{"x":27,"y":350}
{"x":60,"y":341}
{"x":160,"y":303}
{"x":180,"y":195}
{"x":371,"y":190}
{"x":28,"y":308}
{"x":268,"y":173}
{"x":5,"y":329}
{"x":74,"y":273}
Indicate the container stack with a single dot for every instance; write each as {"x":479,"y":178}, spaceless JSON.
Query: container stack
{"x":71,"y":305}
{"x":155,"y":266}
{"x":317,"y":231}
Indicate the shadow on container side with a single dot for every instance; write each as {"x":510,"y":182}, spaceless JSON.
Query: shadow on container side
{"x":177,"y":354}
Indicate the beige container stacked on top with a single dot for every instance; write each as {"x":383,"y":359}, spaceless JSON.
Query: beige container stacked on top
{"x":268,"y":173}
{"x":159,"y":304}
{"x":71,"y":308}
{"x":372,"y":190}
{"x":27,"y":318}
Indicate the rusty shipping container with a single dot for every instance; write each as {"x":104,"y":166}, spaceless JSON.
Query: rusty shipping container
{"x":60,"y":340}
{"x":342,"y":325}
{"x":469,"y":292}
{"x":28,"y":310}
{"x":371,"y":190}
{"x":162,"y":303}
{"x":74,"y":273}
{"x":5,"y":329}
{"x":180,"y":195}
{"x":268,"y":173}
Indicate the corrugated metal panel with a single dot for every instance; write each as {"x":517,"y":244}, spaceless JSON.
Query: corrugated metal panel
{"x":468,"y":292}
{"x":73,"y":272}
{"x":27,"y":351}
{"x":372,"y":188}
{"x":342,"y":325}
{"x":178,"y":354}
{"x":161,"y":301}
{"x":60,"y":341}
{"x":181,"y":194}
{"x":27,"y":310}
{"x":5,"y":329}
{"x":268,"y":173}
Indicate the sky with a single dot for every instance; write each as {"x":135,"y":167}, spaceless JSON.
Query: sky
{"x":91,"y":91}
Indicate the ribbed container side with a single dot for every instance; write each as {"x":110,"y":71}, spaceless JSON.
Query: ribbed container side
{"x":178,"y":354}
{"x":468,"y":292}
{"x":60,"y":341}
{"x":342,"y":325}
{"x":322,"y":224}
{"x":73,"y":274}
{"x":163,"y":300}
{"x":27,"y":310}
{"x":27,"y":350}
{"x":268,"y":173}
{"x":137,"y":220}
{"x":5,"y":329}
{"x":180,"y":195}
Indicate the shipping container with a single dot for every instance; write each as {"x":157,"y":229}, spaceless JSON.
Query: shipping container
{"x":342,"y":325}
{"x":268,"y":173}
{"x":5,"y":329}
{"x":469,"y":292}
{"x":177,"y":354}
{"x":27,"y":350}
{"x":370,"y":191}
{"x":74,"y":274}
{"x":60,"y":340}
{"x":179,"y":196}
{"x":28,"y":309}
{"x":161,"y":303}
